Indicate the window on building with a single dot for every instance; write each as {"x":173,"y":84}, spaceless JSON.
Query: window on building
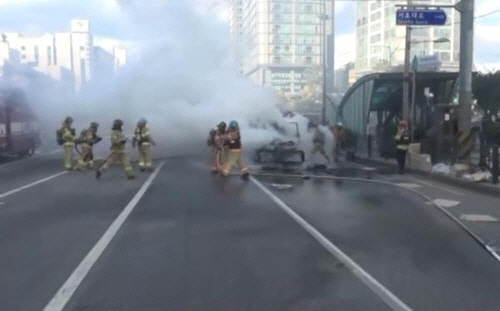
{"x":287,"y":48}
{"x":276,"y":59}
{"x":308,"y":49}
{"x":23,"y":56}
{"x":82,"y":48}
{"x":308,"y":60}
{"x":277,"y":49}
{"x":36,"y":53}
{"x":308,"y":8}
{"x":440,"y":32}
{"x":49,"y":55}
{"x":444,"y":56}
{"x":375,"y":5}
{"x":375,"y":16}
{"x":375,"y":38}
{"x":23,"y":48}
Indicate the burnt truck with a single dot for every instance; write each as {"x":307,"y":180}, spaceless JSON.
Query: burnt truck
{"x":283,"y":150}
{"x":19,"y":130}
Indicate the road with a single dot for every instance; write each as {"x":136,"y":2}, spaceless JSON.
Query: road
{"x":182,"y":239}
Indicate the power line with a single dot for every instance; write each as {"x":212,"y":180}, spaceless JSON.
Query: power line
{"x":487,"y":14}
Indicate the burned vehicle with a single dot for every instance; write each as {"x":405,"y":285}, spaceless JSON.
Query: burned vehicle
{"x":283,"y":150}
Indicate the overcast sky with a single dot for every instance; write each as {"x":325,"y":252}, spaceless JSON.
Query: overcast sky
{"x":38,"y":16}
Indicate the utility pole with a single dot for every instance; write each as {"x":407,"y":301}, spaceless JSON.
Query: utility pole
{"x":406,"y":75}
{"x":466,"y":7}
{"x":332,"y":47}
{"x":324,"y":46}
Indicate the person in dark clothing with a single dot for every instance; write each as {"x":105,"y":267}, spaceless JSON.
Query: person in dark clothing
{"x":402,"y":143}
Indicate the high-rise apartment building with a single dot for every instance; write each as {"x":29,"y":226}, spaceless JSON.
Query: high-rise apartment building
{"x":381,"y":43}
{"x":67,"y":56}
{"x":278,"y":40}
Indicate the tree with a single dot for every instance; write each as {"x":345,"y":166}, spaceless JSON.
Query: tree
{"x":486,"y":89}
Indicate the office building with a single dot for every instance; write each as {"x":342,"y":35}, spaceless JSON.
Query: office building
{"x":64,"y":56}
{"x":278,"y":40}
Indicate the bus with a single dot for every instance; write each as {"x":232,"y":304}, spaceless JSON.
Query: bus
{"x":19,"y":130}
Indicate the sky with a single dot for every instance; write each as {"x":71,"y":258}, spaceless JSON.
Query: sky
{"x":108,"y":22}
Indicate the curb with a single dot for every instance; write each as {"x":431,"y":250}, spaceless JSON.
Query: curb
{"x":464,"y":184}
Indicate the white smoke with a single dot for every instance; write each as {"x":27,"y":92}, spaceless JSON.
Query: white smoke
{"x":182,"y":79}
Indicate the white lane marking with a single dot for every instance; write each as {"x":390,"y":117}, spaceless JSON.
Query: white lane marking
{"x":478,"y":217}
{"x":440,"y":187}
{"x":69,"y":287}
{"x":446,"y":203}
{"x":380,"y":290}
{"x":409,"y":185}
{"x":367,"y":168}
{"x":3,"y":195}
{"x":493,"y":251}
{"x":282,"y":186}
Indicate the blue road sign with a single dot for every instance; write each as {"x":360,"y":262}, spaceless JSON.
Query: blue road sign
{"x":434,"y":17}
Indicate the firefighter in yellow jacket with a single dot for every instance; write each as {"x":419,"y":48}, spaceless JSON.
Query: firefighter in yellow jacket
{"x":234,"y":153}
{"x":118,"y":152}
{"x":68,"y":137}
{"x":142,"y":139}
{"x":87,"y":139}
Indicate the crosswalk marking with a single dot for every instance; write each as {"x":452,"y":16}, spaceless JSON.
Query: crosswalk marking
{"x":479,"y":218}
{"x":446,"y":203}
{"x":409,"y":185}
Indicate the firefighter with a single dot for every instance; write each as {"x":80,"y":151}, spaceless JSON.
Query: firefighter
{"x":142,"y":138}
{"x":339,"y":139}
{"x":87,"y":139}
{"x":402,"y":139}
{"x":219,"y":147}
{"x":67,"y":136}
{"x":233,"y":140}
{"x":118,"y":153}
{"x":318,"y":142}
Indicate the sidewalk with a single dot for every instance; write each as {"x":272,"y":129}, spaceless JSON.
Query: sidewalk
{"x":481,"y":187}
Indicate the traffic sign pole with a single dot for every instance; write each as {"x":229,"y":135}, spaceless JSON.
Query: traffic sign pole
{"x":406,"y":75}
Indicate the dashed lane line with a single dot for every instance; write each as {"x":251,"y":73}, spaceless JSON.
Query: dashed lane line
{"x":446,"y":202}
{"x":380,"y":290}
{"x":67,"y":290}
{"x":5,"y":194}
{"x":479,"y":218}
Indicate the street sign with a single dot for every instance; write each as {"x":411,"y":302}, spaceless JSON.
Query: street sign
{"x":421,"y":17}
{"x":425,"y":63}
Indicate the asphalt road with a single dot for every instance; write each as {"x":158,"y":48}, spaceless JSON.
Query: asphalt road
{"x":194,"y":241}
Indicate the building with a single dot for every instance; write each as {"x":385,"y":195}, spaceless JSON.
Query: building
{"x":66,"y":56}
{"x":119,"y":57}
{"x":343,"y":78}
{"x":381,"y":43}
{"x":278,"y":40}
